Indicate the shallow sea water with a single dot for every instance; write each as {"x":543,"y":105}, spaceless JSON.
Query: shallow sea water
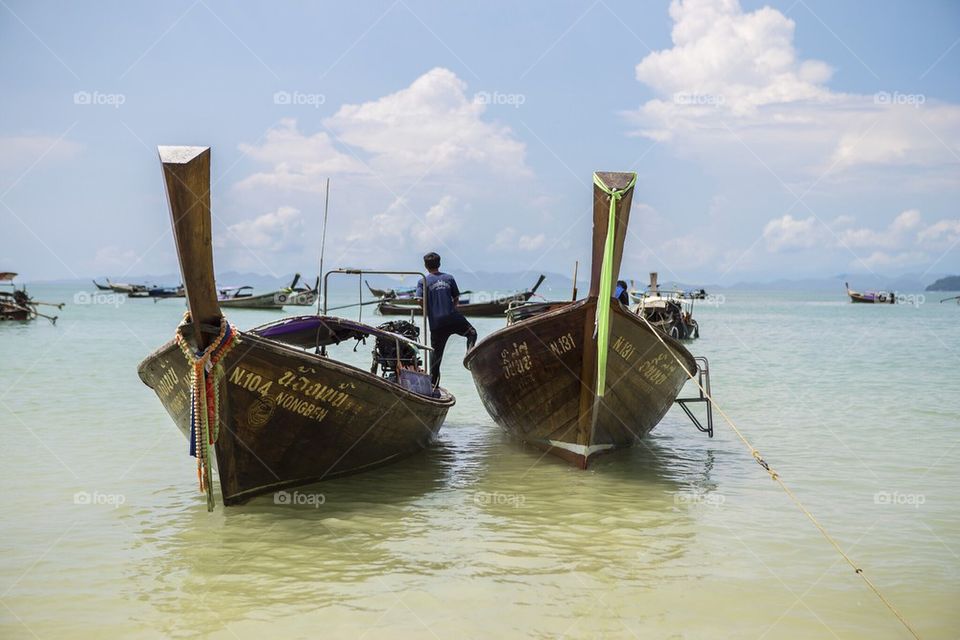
{"x":104,"y":534}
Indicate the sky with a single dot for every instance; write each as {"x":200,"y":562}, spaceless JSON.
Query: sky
{"x":771,"y":140}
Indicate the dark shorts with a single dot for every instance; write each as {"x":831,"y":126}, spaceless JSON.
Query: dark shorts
{"x":440,"y":332}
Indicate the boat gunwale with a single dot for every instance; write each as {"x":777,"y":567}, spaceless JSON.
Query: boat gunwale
{"x":446,"y":400}
{"x":671,"y":342}
{"x":535,"y":319}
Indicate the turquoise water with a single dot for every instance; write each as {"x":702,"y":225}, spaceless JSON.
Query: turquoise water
{"x":856,"y":406}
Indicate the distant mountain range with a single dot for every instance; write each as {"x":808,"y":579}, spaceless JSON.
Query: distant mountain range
{"x":555,"y":286}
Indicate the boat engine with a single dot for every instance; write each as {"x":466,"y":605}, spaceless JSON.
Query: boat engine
{"x":385,"y":354}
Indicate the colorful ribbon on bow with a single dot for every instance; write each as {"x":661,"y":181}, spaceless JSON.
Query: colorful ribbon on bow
{"x":206,"y":373}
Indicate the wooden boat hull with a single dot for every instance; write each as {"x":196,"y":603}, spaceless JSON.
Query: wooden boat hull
{"x":528,"y":376}
{"x":263,"y":301}
{"x":15,"y":313}
{"x":871,"y":297}
{"x":290,"y":418}
{"x":299,"y":298}
{"x":492,"y":309}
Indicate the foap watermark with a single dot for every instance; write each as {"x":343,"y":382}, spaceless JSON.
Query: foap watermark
{"x":99,"y":297}
{"x":497,"y":98}
{"x":911,"y":299}
{"x":895,"y":497}
{"x":714,"y":299}
{"x":299,"y":499}
{"x":897,"y":98}
{"x":487,"y":498}
{"x":96,"y":498}
{"x":699,"y":99}
{"x":699,"y":498}
{"x":98,"y":98}
{"x":299,"y":99}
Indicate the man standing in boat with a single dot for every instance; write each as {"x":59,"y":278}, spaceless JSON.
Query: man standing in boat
{"x":444,"y":318}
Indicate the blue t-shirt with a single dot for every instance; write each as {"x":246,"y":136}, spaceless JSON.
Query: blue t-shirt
{"x":442,"y":293}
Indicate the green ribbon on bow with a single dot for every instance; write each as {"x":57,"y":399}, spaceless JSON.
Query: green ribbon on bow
{"x":606,"y":282}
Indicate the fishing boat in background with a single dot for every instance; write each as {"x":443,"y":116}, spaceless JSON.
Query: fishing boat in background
{"x":583,"y":377}
{"x":17,"y":305}
{"x":243,"y":298}
{"x":871,"y":297}
{"x":132,"y":290}
{"x":299,"y":296}
{"x":493,"y":308}
{"x":391,"y":294}
{"x":669,"y":311}
{"x":272,"y":411}
{"x":166,"y":292}
{"x":102,"y":287}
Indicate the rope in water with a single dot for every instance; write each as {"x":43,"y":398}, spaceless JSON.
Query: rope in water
{"x":776,"y":478}
{"x":206,"y":373}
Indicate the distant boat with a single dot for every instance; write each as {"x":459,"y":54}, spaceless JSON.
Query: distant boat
{"x":871,"y":297}
{"x":390,"y":294}
{"x":167,"y":292}
{"x":287,"y":415}
{"x":17,"y":305}
{"x":299,"y":296}
{"x":583,"y":377}
{"x":102,"y":287}
{"x":243,"y":298}
{"x":492,"y":308}
{"x":669,"y":311}
{"x":133,"y":290}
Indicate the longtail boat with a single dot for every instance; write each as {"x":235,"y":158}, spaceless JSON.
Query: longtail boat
{"x":244,"y":298}
{"x":496,"y":307}
{"x":267,"y":406}
{"x":669,"y":311}
{"x":17,"y":305}
{"x":299,"y":296}
{"x":389,"y":294}
{"x":870,"y":297}
{"x":133,"y":290}
{"x":589,"y":376}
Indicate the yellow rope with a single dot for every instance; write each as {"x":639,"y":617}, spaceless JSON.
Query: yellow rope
{"x":776,"y":477}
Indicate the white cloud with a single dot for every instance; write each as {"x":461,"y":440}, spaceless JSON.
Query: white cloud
{"x":894,"y":235}
{"x":906,"y":241}
{"x":509,"y":239}
{"x":884,"y":260}
{"x":439,"y":223}
{"x":401,"y":225}
{"x":404,"y":168}
{"x":942,"y":234}
{"x":429,"y":128}
{"x":113,"y":258}
{"x":734,"y":79}
{"x":297,"y":161}
{"x":19,"y":153}
{"x":273,"y":231}
{"x":789,"y":233}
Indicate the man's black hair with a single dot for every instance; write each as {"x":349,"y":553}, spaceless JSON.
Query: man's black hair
{"x":431,"y":260}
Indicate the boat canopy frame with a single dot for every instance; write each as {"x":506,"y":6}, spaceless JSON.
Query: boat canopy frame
{"x":360,"y":273}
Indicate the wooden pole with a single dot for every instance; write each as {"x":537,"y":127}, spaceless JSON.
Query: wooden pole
{"x":186,"y":173}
